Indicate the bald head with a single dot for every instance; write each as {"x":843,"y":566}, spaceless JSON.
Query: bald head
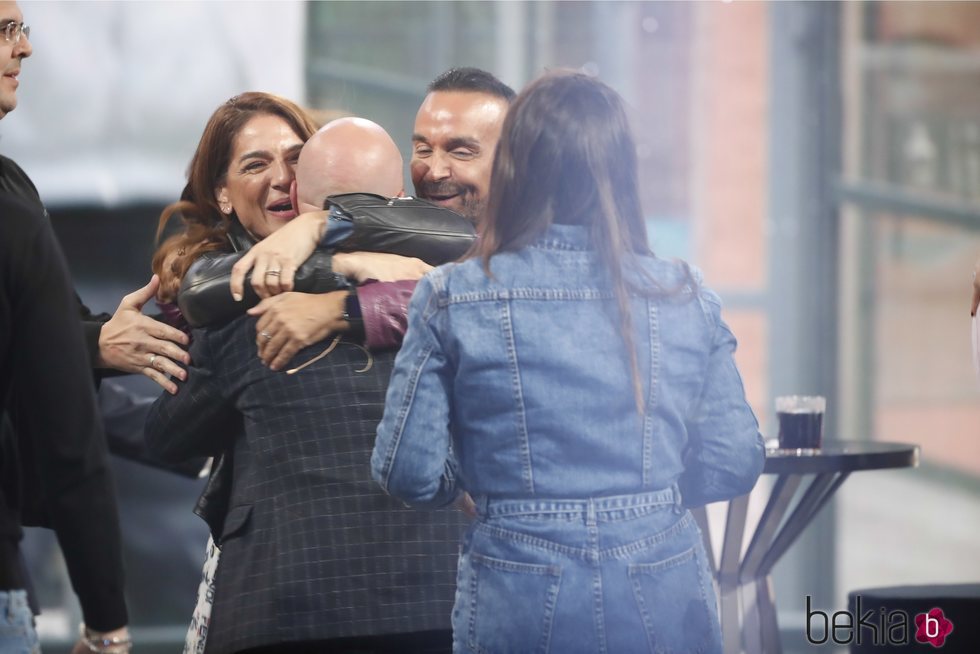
{"x":347,"y":155}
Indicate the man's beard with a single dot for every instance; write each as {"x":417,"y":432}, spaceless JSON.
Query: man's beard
{"x":470,"y":205}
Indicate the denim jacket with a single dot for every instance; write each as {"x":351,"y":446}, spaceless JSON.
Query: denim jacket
{"x":518,"y":385}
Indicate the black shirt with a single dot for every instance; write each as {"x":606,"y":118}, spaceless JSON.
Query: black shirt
{"x":15,"y":181}
{"x":55,"y":468}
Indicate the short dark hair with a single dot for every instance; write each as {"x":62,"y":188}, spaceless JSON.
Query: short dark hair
{"x":472,"y":80}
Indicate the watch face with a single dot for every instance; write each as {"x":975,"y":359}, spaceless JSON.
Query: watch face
{"x":352,"y":308}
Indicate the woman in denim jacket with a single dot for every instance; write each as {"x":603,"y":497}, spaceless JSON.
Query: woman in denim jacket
{"x":581,"y":390}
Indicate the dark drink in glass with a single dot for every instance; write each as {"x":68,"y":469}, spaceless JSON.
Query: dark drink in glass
{"x":800,"y":422}
{"x":800,"y":430}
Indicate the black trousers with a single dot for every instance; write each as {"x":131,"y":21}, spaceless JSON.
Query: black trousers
{"x":417,"y":642}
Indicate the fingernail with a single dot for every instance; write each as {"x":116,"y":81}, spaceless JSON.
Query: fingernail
{"x":237,"y":296}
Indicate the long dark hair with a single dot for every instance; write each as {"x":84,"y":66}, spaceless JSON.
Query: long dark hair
{"x":205,"y":226}
{"x":567,"y":155}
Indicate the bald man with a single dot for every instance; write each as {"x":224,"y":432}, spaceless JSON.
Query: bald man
{"x":347,"y":155}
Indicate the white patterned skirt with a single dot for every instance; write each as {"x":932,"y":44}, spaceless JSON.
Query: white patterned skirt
{"x":197,"y":631}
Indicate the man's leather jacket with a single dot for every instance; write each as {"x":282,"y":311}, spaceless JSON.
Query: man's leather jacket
{"x":357,"y":222}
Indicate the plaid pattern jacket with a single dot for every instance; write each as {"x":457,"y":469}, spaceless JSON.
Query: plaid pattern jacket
{"x":313,"y":549}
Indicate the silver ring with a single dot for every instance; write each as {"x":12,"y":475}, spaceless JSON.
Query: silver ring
{"x":153,"y":358}
{"x":266,"y":335}
{"x":274,"y":273}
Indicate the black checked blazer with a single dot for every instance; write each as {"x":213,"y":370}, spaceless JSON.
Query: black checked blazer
{"x":313,"y":549}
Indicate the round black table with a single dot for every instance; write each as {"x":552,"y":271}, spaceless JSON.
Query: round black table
{"x":747,"y":610}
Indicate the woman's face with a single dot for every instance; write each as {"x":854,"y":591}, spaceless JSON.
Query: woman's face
{"x":261,"y":170}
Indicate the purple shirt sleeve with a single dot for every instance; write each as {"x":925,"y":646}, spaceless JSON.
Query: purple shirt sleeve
{"x":170,"y":313}
{"x":384,"y":309}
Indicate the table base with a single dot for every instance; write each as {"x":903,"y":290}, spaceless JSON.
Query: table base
{"x":747,"y":608}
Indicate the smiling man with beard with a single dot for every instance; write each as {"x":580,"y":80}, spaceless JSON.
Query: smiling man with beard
{"x":456,"y":132}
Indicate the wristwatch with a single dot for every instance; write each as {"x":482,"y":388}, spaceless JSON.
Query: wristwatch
{"x":352,"y":313}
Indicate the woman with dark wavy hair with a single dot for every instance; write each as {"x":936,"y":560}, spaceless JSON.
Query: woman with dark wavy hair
{"x":213,"y":219}
{"x":237,"y":193}
{"x":582,"y":390}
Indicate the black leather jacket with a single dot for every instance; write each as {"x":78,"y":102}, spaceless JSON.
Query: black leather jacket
{"x":370,"y":223}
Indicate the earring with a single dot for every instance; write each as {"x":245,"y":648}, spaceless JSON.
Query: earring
{"x":226,"y":209}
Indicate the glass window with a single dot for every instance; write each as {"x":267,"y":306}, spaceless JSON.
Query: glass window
{"x":910,"y":236}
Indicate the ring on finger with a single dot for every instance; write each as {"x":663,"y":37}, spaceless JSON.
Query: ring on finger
{"x":266,"y":335}
{"x":153,"y":357}
{"x":272,"y":273}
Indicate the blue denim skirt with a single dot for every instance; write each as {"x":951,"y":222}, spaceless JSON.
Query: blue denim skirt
{"x":612,"y":575}
{"x":17,"y":635}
